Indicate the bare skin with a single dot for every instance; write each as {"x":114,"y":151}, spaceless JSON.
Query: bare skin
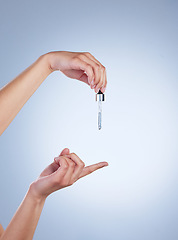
{"x":67,"y":168}
{"x":63,"y":172}
{"x":80,"y":66}
{"x":1,"y":230}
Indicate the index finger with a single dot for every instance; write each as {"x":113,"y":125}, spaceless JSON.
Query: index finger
{"x":78,"y":64}
{"x":92,"y":168}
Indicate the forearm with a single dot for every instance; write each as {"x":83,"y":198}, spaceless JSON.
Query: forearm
{"x":81,"y":66}
{"x":16,"y":93}
{"x":24,"y":222}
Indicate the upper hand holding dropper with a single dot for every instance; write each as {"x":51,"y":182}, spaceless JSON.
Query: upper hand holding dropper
{"x":82,"y":66}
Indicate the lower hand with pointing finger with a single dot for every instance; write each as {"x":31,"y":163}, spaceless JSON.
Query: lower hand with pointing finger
{"x":66,"y":169}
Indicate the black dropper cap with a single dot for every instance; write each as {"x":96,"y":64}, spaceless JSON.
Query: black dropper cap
{"x":100,"y":96}
{"x":99,"y":92}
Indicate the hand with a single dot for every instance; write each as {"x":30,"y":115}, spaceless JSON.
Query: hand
{"x":63,"y":172}
{"x":82,"y":66}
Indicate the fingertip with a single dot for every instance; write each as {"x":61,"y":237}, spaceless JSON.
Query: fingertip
{"x":65,"y":151}
{"x":105,"y":164}
{"x":96,"y":90}
{"x":56,"y":159}
{"x":103,"y":89}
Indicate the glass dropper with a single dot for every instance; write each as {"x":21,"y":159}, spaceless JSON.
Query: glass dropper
{"x":99,"y":99}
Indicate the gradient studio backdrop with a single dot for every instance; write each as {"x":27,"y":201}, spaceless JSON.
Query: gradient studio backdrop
{"x":136,"y":197}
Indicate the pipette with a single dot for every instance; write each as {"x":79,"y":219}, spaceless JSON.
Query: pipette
{"x":99,"y":99}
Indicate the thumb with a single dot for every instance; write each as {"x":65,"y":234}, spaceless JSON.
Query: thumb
{"x":65,"y":151}
{"x":84,"y":78}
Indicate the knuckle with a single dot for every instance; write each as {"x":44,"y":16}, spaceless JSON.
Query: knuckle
{"x":82,"y":164}
{"x":65,"y":166}
{"x":70,"y":183}
{"x":87,"y":54}
{"x":80,"y":55}
{"x":88,"y":67}
{"x":103,"y":67}
{"x":72,"y":164}
{"x":75,"y":60}
{"x":98,"y":66}
{"x":72,"y":155}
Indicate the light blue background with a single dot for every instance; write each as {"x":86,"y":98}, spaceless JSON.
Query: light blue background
{"x":136,"y":197}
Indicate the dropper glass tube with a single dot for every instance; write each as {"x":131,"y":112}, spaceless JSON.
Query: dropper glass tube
{"x":99,"y":115}
{"x":99,"y":99}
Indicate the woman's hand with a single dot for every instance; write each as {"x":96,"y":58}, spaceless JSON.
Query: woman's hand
{"x":63,"y":172}
{"x":82,"y":66}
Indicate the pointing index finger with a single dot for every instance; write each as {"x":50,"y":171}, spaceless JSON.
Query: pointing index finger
{"x":92,"y":168}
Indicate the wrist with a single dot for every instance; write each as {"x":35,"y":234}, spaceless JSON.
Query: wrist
{"x":34,"y":196}
{"x":49,"y":59}
{"x":46,"y":59}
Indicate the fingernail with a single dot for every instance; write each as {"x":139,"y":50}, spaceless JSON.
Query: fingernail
{"x":92,"y":82}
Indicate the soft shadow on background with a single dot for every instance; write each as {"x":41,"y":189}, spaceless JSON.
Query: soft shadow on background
{"x":136,"y":197}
